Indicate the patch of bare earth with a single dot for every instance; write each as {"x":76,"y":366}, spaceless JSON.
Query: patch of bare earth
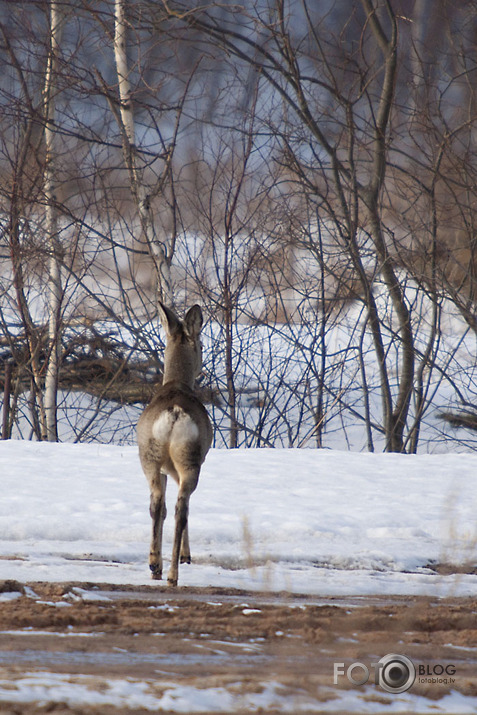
{"x":219,"y":639}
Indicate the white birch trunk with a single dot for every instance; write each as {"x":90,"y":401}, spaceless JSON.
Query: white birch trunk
{"x":141,"y":197}
{"x":50,"y":429}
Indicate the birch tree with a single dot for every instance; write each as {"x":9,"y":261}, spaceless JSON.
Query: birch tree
{"x":142,"y":195}
{"x":54,"y":296}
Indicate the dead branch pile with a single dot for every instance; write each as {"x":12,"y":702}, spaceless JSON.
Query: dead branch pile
{"x":90,"y":363}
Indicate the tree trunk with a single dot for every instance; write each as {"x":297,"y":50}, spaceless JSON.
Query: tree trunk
{"x":395,"y":420}
{"x":54,"y":250}
{"x":128,"y":134}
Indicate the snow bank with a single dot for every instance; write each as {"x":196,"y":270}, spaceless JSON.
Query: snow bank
{"x":308,"y":521}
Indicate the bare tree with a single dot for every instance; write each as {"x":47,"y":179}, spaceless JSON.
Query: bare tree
{"x":143,"y":195}
{"x":55,"y":292}
{"x":355,"y":195}
{"x":330,"y":101}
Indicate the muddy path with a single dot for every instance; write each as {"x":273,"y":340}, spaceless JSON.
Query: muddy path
{"x":83,"y":648}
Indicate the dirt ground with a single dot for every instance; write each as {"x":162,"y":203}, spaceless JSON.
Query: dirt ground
{"x":216,"y":638}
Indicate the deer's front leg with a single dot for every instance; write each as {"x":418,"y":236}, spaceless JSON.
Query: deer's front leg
{"x":158,"y":514}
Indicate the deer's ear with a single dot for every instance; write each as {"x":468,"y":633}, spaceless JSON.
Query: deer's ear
{"x":193,"y":321}
{"x":169,"y":320}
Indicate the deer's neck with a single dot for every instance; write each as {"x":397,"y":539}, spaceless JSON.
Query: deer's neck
{"x":179,"y":370}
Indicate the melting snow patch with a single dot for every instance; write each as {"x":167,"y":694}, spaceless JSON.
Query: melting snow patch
{"x":86,"y":690}
{"x":89,"y":595}
{"x":58,"y":688}
{"x":10,"y":596}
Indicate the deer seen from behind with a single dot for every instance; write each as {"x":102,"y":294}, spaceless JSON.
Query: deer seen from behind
{"x":174,"y":434}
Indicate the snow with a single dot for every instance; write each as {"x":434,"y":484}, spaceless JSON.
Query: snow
{"x":86,"y":690}
{"x":318,"y":522}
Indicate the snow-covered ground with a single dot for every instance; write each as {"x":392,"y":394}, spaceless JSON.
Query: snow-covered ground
{"x":168,"y":697}
{"x":307,"y":521}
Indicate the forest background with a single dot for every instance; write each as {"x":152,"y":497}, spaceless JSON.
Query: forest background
{"x":305,"y":171}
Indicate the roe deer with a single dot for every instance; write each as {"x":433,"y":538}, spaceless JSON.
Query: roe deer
{"x":174,"y":435}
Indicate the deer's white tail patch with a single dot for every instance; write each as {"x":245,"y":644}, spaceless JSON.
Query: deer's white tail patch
{"x":174,"y":425}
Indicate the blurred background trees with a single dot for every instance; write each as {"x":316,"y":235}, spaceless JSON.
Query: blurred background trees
{"x":305,"y":171}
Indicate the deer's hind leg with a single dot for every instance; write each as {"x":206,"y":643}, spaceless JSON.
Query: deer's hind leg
{"x":185,"y":557}
{"x":187,"y":485}
{"x":158,"y":512}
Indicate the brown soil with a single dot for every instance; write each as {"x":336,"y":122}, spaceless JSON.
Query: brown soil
{"x":211,"y":638}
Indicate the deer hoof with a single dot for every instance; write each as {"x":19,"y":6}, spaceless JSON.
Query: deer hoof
{"x":172,"y":581}
{"x":156,"y":572}
{"x":186,"y":559}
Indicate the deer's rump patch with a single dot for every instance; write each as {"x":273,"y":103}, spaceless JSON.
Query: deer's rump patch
{"x":175,"y":425}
